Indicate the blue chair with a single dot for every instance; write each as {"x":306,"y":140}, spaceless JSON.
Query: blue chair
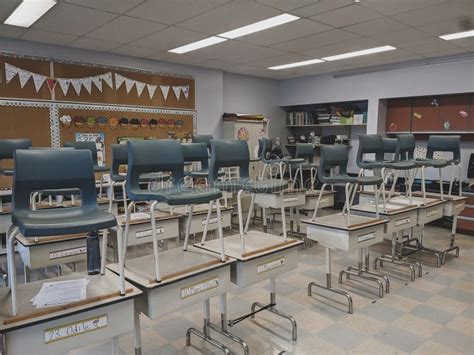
{"x":36,"y":170}
{"x":158,"y":156}
{"x":306,"y":151}
{"x":7,"y":151}
{"x":197,"y":152}
{"x":203,"y":138}
{"x":264,"y":148}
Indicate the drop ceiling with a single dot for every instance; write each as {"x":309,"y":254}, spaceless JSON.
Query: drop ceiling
{"x":149,"y":28}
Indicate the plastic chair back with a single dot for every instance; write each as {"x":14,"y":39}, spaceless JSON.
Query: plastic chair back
{"x":305,"y":151}
{"x":85,"y":145}
{"x":229,"y":153}
{"x":405,"y":147}
{"x":119,"y":158}
{"x":448,"y":144}
{"x":370,"y":144}
{"x":332,"y":156}
{"x":203,"y":138}
{"x":196,"y":152}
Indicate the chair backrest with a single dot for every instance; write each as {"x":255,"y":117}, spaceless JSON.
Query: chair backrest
{"x":9,"y":146}
{"x":151,"y":157}
{"x":52,"y":169}
{"x":369,"y":144}
{"x":332,"y":156}
{"x":445,"y":144}
{"x":229,"y":153}
{"x":405,"y":147}
{"x":203,"y":138}
{"x":196,"y":152}
{"x":84,"y":145}
{"x":264,"y":147}
{"x":305,"y":151}
{"x":119,"y":158}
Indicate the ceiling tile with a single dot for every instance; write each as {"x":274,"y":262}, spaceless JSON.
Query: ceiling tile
{"x":169,"y":38}
{"x":241,"y":69}
{"x":343,"y":47}
{"x":280,"y":60}
{"x":292,"y":30}
{"x":7,"y":7}
{"x":125,"y":29}
{"x":381,"y":59}
{"x":183,"y":59}
{"x":94,"y":44}
{"x":72,"y":19}
{"x":433,"y":47}
{"x":229,"y":16}
{"x":11,"y":31}
{"x":161,"y":55}
{"x":117,"y":6}
{"x":402,"y":38}
{"x":321,"y":68}
{"x":465,"y":43}
{"x":443,"y":28}
{"x":286,"y":5}
{"x":47,"y":37}
{"x":391,"y":7}
{"x":213,"y":63}
{"x":316,"y":41}
{"x":134,"y":51}
{"x":377,"y":27}
{"x":346,"y":16}
{"x":173,"y":11}
{"x":449,"y":11}
{"x":321,"y":6}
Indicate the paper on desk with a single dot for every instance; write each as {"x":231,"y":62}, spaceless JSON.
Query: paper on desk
{"x":60,"y":293}
{"x":139,"y":216}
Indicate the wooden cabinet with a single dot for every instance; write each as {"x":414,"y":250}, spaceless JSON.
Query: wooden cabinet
{"x":425,"y":114}
{"x":454,"y":113}
{"x":399,"y":115}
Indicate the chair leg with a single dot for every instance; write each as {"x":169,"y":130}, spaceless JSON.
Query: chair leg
{"x":188,"y":227}
{"x":208,"y":217}
{"x":241,"y":221}
{"x":105,"y":234}
{"x":423,"y":185}
{"x":441,"y":188}
{"x":11,"y":237}
{"x":247,"y":223}
{"x":127,"y":229}
{"x":451,"y":181}
{"x":283,"y":218}
{"x":124,"y":193}
{"x":155,"y":241}
{"x":219,"y":229}
{"x":112,"y":196}
{"x":318,"y":201}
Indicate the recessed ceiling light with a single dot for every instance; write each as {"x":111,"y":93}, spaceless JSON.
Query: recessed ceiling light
{"x":457,"y":35}
{"x":359,"y":53}
{"x":260,"y":26}
{"x":28,"y":12}
{"x":297,"y":64}
{"x":197,"y":45}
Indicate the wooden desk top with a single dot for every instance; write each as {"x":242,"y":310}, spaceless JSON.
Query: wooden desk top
{"x":390,"y":208}
{"x":197,"y":210}
{"x":102,"y":290}
{"x":315,"y":193}
{"x":453,"y":198}
{"x":418,"y":201}
{"x":35,"y":241}
{"x":159,"y":216}
{"x":339,"y":221}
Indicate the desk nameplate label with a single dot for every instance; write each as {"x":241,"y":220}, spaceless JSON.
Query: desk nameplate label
{"x":366,"y":237}
{"x":433,"y":213}
{"x":67,"y":252}
{"x":274,"y":264}
{"x":149,"y":232}
{"x":402,"y":222}
{"x":290,"y":199}
{"x":211,"y":221}
{"x":197,"y":288}
{"x":77,"y":328}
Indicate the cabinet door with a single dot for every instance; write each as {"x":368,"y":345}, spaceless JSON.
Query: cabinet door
{"x":425,"y":114}
{"x":454,"y":113}
{"x":399,"y":115}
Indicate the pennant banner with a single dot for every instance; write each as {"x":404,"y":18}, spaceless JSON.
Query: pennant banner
{"x":140,"y":86}
{"x":76,"y":84}
{"x":97,"y":80}
{"x":177,"y":91}
{"x":64,"y":85}
{"x":38,"y":80}
{"x":129,"y":84}
{"x":107,"y":77}
{"x":24,"y":77}
{"x":151,"y":90}
{"x":87,"y":83}
{"x":165,"y":89}
{"x":185,"y":90}
{"x":119,"y":80}
{"x":10,"y":72}
{"x":51,"y":84}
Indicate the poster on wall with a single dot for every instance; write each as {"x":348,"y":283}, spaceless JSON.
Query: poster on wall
{"x":99,"y":140}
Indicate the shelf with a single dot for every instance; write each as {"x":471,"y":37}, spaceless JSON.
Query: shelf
{"x":317,"y":145}
{"x":432,"y":132}
{"x":327,"y":125}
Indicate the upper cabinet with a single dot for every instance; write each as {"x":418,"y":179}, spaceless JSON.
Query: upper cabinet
{"x":454,"y":113}
{"x":399,"y":115}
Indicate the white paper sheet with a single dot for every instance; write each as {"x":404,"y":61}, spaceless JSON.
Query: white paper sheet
{"x":60,"y":293}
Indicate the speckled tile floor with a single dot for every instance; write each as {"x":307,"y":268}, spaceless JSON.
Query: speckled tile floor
{"x":434,"y":314}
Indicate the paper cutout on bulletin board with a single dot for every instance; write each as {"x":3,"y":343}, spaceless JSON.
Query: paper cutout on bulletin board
{"x":463,"y":114}
{"x":392,"y":127}
{"x":417,"y":115}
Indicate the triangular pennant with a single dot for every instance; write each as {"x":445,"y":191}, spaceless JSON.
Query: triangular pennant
{"x":177,"y":91}
{"x":64,"y":85}
{"x":38,"y":80}
{"x":10,"y":72}
{"x":129,"y":84}
{"x":119,"y":79}
{"x":185,"y":90}
{"x":97,"y":80}
{"x":107,"y":77}
{"x":76,"y":84}
{"x":87,"y":83}
{"x":165,"y":89}
{"x":51,"y":84}
{"x":151,"y":90}
{"x":140,"y":87}
{"x":24,"y":76}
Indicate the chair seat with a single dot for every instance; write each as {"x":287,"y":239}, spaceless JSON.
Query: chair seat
{"x":433,"y":163}
{"x":175,"y":196}
{"x":143,"y":178}
{"x":308,"y":166}
{"x":344,"y":179}
{"x":261,"y":186}
{"x":100,"y":169}
{"x":63,"y":192}
{"x":402,"y":165}
{"x":62,"y":221}
{"x":294,"y":160}
{"x":272,"y":161}
{"x":372,"y":164}
{"x":204,"y":173}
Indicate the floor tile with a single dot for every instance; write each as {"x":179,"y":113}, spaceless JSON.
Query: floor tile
{"x":399,"y":338}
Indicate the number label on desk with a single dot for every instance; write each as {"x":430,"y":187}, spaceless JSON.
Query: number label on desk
{"x":211,"y":221}
{"x":149,"y":232}
{"x":402,"y":222}
{"x":433,"y":213}
{"x":69,"y":330}
{"x":459,"y":206}
{"x":290,"y":199}
{"x":270,"y":265}
{"x":365,"y":237}
{"x":205,"y":285}
{"x":67,"y":252}
{"x":324,"y":200}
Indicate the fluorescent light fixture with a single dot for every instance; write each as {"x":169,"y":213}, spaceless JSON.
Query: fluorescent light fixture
{"x":297,"y":64}
{"x":28,"y":12}
{"x":259,"y":26}
{"x":359,"y":53}
{"x":197,"y":45}
{"x":457,"y":35}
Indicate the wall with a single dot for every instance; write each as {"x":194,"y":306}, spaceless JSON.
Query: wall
{"x":435,"y":79}
{"x":246,"y":94}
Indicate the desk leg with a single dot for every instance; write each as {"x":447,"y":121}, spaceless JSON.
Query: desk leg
{"x":453,"y":240}
{"x":328,"y":286}
{"x":138,"y":338}
{"x":421,"y":248}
